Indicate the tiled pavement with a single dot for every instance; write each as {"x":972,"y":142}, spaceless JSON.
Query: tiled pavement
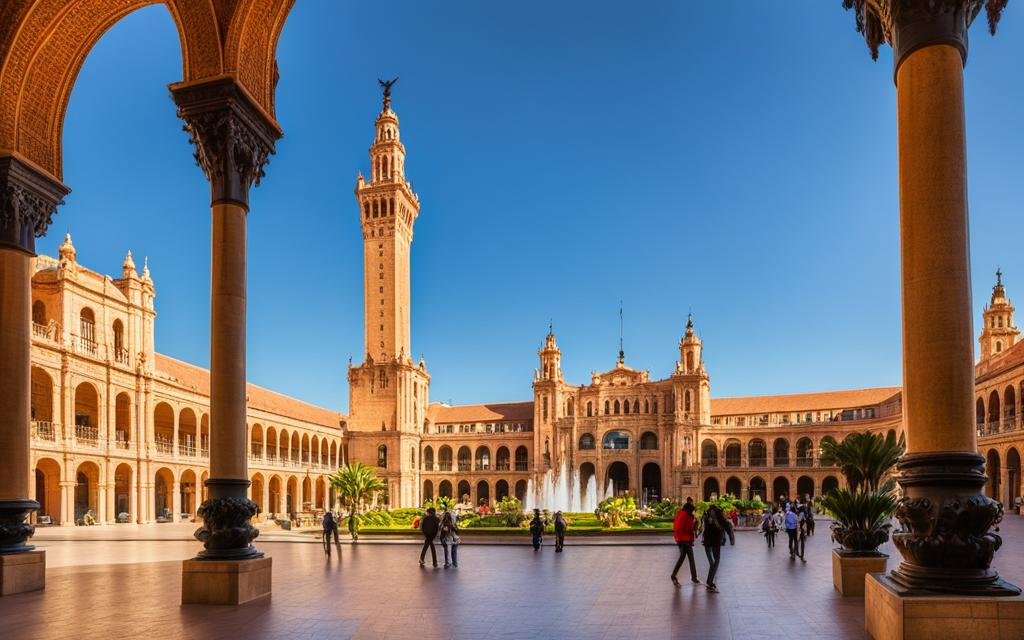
{"x":378,"y":591}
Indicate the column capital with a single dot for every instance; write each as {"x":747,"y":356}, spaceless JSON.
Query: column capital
{"x":233,"y":137}
{"x":908,"y":25}
{"x":28,"y":199}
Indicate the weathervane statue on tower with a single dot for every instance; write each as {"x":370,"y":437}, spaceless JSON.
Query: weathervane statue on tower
{"x":386,"y":85}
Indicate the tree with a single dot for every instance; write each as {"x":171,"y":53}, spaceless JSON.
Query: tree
{"x":356,"y":483}
{"x":864,"y":458}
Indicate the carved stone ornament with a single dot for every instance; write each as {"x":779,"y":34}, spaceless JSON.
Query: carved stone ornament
{"x":28,"y":200}
{"x":226,"y":533}
{"x":947,"y":534}
{"x":232,"y":136}
{"x":14,"y":530}
{"x":908,"y":25}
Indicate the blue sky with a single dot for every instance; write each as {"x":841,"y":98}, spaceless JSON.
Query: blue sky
{"x":739,"y":161}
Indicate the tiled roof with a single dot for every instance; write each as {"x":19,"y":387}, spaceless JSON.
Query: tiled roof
{"x":495,"y":412}
{"x":1012,"y":357}
{"x":259,"y":398}
{"x":802,"y":401}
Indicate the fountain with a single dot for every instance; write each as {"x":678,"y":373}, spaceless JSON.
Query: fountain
{"x":562,"y":491}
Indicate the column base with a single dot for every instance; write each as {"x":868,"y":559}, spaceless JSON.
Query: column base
{"x":891,"y":616}
{"x":22,"y":572}
{"x":228,"y":582}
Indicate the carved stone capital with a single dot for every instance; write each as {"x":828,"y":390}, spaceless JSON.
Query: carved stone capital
{"x":227,"y":533}
{"x":908,"y":25}
{"x":233,"y":137}
{"x":947,"y":534}
{"x":28,"y":200}
{"x":14,"y":530}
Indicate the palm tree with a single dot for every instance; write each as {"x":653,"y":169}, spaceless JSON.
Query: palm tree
{"x":356,"y":483}
{"x":864,"y":458}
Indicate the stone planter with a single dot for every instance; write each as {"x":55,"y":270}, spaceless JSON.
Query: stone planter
{"x":849,"y":569}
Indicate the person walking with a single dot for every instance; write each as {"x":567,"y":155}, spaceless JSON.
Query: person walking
{"x":777,"y":518}
{"x":768,"y":527}
{"x":792,"y":522}
{"x":537,"y":525}
{"x":450,"y":538}
{"x":801,"y":532}
{"x":809,"y":517}
{"x":715,"y":526}
{"x":684,"y":531}
{"x":429,"y":526}
{"x":560,"y":526}
{"x":330,"y":526}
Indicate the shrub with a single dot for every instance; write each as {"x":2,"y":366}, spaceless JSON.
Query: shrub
{"x":614,"y":512}
{"x":511,"y":511}
{"x":663,"y":508}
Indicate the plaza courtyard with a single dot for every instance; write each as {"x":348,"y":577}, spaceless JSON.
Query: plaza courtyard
{"x":598,"y":588}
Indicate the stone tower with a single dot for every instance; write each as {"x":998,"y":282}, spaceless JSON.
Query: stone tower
{"x":549,"y":399}
{"x":691,"y":383}
{"x":998,"y":332}
{"x":388,"y":392}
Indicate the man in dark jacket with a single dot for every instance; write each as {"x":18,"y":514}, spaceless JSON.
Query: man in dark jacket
{"x":429,"y":526}
{"x":715,"y":526}
{"x":537,"y":529}
{"x":560,"y":526}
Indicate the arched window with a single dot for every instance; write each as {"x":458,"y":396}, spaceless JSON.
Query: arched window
{"x":615,"y":440}
{"x":617,"y":407}
{"x":636,"y":406}
{"x":39,"y":313}
{"x":999,"y":346}
{"x":708,"y":454}
{"x":655,"y":406}
{"x":376,"y":208}
{"x":625,"y":407}
{"x":804,"y":453}
{"x":428,"y":459}
{"x":87,"y":331}
{"x":382,"y":456}
{"x":391,"y":207}
{"x":647,"y":406}
{"x":590,"y":409}
{"x":586,"y":442}
{"x":366,"y":209}
{"x":568,"y":406}
{"x":649,"y":440}
{"x":686,"y":402}
{"x":606,"y":405}
{"x":120,"y":353}
{"x":521,"y":458}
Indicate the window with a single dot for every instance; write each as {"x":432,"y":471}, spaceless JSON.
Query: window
{"x":545,"y":408}
{"x":616,"y":440}
{"x":606,"y":405}
{"x":686,"y":402}
{"x":617,"y":407}
{"x":647,"y":406}
{"x":625,"y":407}
{"x":382,"y":456}
{"x":586,"y":442}
{"x":648,"y":441}
{"x":590,"y":409}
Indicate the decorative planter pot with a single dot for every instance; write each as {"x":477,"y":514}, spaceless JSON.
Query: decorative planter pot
{"x":849,"y":569}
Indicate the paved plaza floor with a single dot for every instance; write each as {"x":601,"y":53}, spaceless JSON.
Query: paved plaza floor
{"x":100,"y":585}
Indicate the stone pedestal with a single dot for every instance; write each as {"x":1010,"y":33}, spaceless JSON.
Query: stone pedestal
{"x":21,"y":572}
{"x":225,"y":581}
{"x":848,"y":571}
{"x":889,"y":616}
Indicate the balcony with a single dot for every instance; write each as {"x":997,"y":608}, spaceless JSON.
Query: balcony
{"x":204,"y":452}
{"x":759,"y":462}
{"x":255,"y":457}
{"x":121,"y":356}
{"x":43,"y":430}
{"x":483,"y":466}
{"x":709,"y":462}
{"x":186,"y":448}
{"x":521,"y":465}
{"x":502,"y":466}
{"x":1010,"y":423}
{"x":780,"y":462}
{"x":86,"y":346}
{"x":444,"y":465}
{"x":39,"y":331}
{"x":271,"y":458}
{"x":164,"y":445}
{"x":804,"y":462}
{"x":464,"y":466}
{"x":87,"y":436}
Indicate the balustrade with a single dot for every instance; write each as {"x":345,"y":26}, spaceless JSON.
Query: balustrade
{"x":88,"y":436}
{"x":804,"y":462}
{"x":43,"y":430}
{"x":164,"y":445}
{"x":121,"y":356}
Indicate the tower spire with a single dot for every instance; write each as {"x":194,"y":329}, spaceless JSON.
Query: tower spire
{"x":622,"y":354}
{"x":386,"y":85}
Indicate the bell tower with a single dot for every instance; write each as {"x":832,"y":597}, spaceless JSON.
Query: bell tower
{"x":998,"y":332}
{"x":691,"y":383}
{"x":388,"y":392}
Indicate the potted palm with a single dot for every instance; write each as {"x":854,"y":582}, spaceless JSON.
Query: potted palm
{"x":356,"y":483}
{"x":861,"y":512}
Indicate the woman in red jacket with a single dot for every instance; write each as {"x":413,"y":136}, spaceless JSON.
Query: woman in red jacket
{"x":683,"y":529}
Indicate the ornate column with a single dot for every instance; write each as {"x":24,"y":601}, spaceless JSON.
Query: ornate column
{"x":233,"y":138}
{"x":28,"y":199}
{"x":946,"y":533}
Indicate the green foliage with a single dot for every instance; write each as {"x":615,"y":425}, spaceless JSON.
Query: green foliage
{"x":377,"y":518}
{"x":864,"y":458}
{"x":861,"y":517}
{"x":663,"y":508}
{"x":356,"y":484}
{"x":511,"y":511}
{"x":614,"y":512}
{"x":440,"y":503}
{"x":406,"y":516}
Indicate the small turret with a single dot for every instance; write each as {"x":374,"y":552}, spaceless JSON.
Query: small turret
{"x":128,"y":267}
{"x":67,"y":249}
{"x":998,"y":332}
{"x":550,"y":358}
{"x":690,"y":350}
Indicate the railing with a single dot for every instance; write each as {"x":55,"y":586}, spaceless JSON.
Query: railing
{"x":521,"y":465}
{"x":186,"y":448}
{"x":122,"y":443}
{"x":164,"y":445}
{"x":780,"y":462}
{"x":87,"y":346}
{"x":204,"y":452}
{"x":121,"y":356}
{"x":444,"y":465}
{"x":464,"y":466}
{"x":709,"y":462}
{"x":43,"y":430}
{"x":39,"y":331}
{"x":89,"y":436}
{"x":483,"y":466}
{"x":255,"y":457}
{"x":1009,"y":423}
{"x":804,"y":462}
{"x":759,"y":462}
{"x":732,"y":462}
{"x":271,"y":458}
{"x":502,"y":466}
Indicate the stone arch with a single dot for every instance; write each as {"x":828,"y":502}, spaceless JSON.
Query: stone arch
{"x":333,"y":459}
{"x":733,"y":453}
{"x":123,"y":420}
{"x":48,"y":479}
{"x":463,"y":494}
{"x":804,"y":452}
{"x":271,"y":445}
{"x":256,"y":441}
{"x":188,"y":433}
{"x":650,"y":483}
{"x":250,"y":47}
{"x":483,"y":493}
{"x":992,"y":470}
{"x":444,"y":489}
{"x":256,"y":493}
{"x":163,"y":490}
{"x":305,"y":449}
{"x":428,"y":458}
{"x":710,"y":487}
{"x":979,"y":413}
{"x":163,"y":428}
{"x":780,"y":489}
{"x":320,"y":491}
{"x":734,"y":487}
{"x":295,"y":449}
{"x":428,"y":490}
{"x":617,"y":476}
{"x":993,"y":410}
{"x":123,"y":476}
{"x":500,"y":490}
{"x":828,"y":484}
{"x":804,"y":487}
{"x":291,"y":501}
{"x":285,"y":445}
{"x":1009,"y":406}
{"x":42,"y":398}
{"x":757,"y":489}
{"x":465,"y":460}
{"x":1013,"y":479}
{"x":87,"y":411}
{"x":204,"y":435}
{"x":274,"y":489}
{"x":306,"y":498}
{"x":87,"y":492}
{"x":708,"y":453}
{"x":502,"y":459}
{"x":780,"y":453}
{"x":189,"y":492}
{"x":757,"y":453}
{"x":444,"y":459}
{"x":521,"y":491}
{"x":483,"y":458}
{"x":522,"y":459}
{"x":649,"y":440}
